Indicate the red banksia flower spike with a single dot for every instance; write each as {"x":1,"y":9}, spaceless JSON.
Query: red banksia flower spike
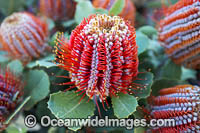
{"x":24,"y":36}
{"x":58,"y":9}
{"x":179,"y":33}
{"x":128,"y":12}
{"x":101,"y":56}
{"x":180,"y":103}
{"x":11,"y":92}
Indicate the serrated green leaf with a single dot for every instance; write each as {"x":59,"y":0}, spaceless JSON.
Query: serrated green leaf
{"x":171,"y":71}
{"x":17,"y":110}
{"x":124,"y":105}
{"x":142,"y":87}
{"x":37,"y":87}
{"x":142,"y":42}
{"x":117,"y":7}
{"x":68,"y":105}
{"x":164,"y":83}
{"x":16,"y":67}
{"x":148,"y":30}
{"x":84,"y":8}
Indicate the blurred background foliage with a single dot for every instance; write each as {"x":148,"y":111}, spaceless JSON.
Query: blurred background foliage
{"x":40,"y":75}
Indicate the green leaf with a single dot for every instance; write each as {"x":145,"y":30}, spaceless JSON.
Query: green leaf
{"x":101,"y":11}
{"x":15,"y":129}
{"x":171,"y":71}
{"x":50,"y":23}
{"x":188,"y":73}
{"x":17,"y":110}
{"x":10,"y":6}
{"x":117,"y":7}
{"x":142,"y":86}
{"x":84,"y":8}
{"x":37,"y":87}
{"x":68,"y":105}
{"x":139,"y":113}
{"x":140,"y":130}
{"x":68,"y":23}
{"x":42,"y":110}
{"x":124,"y":105}
{"x":148,"y":30}
{"x":3,"y":56}
{"x":142,"y":41}
{"x":45,"y":62}
{"x":164,"y":83}
{"x":53,"y":39}
{"x":16,"y":67}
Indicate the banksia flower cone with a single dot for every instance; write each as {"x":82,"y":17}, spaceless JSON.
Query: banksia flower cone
{"x":179,"y":33}
{"x":24,"y":36}
{"x":11,"y":91}
{"x":128,"y":12}
{"x":58,"y":9}
{"x":180,"y":103}
{"x":101,"y":56}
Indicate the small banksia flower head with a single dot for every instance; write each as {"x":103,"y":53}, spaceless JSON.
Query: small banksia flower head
{"x":101,"y":56}
{"x":58,"y":9}
{"x":11,"y":92}
{"x":179,"y":33}
{"x":128,"y":12}
{"x":180,"y":103}
{"x":24,"y":36}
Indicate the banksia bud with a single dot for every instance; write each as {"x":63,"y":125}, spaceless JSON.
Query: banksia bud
{"x":11,"y":91}
{"x":23,"y":36}
{"x":180,"y":103}
{"x":58,"y":9}
{"x":128,"y":12}
{"x":101,"y":56}
{"x":179,"y":33}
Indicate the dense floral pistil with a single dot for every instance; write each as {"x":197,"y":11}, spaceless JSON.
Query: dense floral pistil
{"x":179,"y":103}
{"x":101,"y":56}
{"x":179,"y":33}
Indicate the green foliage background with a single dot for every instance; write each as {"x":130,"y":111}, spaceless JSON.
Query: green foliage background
{"x":44,"y":97}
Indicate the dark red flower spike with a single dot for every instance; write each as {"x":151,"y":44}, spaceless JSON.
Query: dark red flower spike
{"x":11,"y":92}
{"x":101,"y":56}
{"x":180,"y":103}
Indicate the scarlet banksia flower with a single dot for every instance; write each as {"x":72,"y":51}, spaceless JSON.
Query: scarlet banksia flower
{"x":181,"y":104}
{"x":58,"y":9}
{"x":24,"y":36}
{"x":128,"y":12}
{"x":101,"y":56}
{"x":179,"y":33}
{"x":11,"y":92}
